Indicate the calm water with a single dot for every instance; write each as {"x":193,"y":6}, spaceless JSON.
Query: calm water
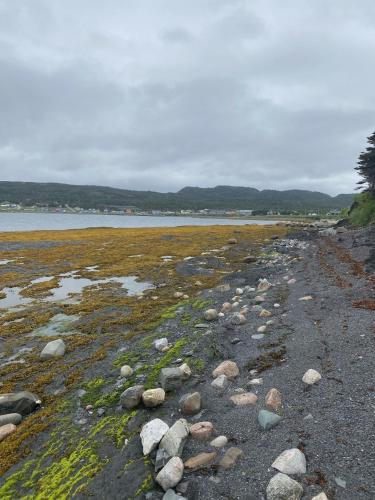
{"x":10,"y":221}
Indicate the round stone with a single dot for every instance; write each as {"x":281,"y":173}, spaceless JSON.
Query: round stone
{"x":202,"y":431}
{"x":153,"y":397}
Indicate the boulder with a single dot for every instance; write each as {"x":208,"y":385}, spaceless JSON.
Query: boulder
{"x":191,"y":403}
{"x":267,"y":420}
{"x":210,"y":314}
{"x":174,"y":439}
{"x":171,"y":378}
{"x":22,"y":402}
{"x":231,"y":457}
{"x":132,"y":396}
{"x":152,"y":433}
{"x":273,"y":399}
{"x":10,"y":418}
{"x":220,"y":383}
{"x":171,"y":474}
{"x":54,"y":349}
{"x":200,"y":460}
{"x":153,"y":397}
{"x":311,"y":377}
{"x":202,"y":431}
{"x":291,"y":461}
{"x":227,"y":368}
{"x":6,"y":430}
{"x":244,"y":399}
{"x":126,"y":371}
{"x":161,"y":344}
{"x":219,"y":442}
{"x":282,"y":487}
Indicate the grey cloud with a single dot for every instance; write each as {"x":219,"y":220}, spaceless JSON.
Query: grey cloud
{"x":162,"y":94}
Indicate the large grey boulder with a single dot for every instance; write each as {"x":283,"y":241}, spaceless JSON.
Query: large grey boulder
{"x":282,"y":487}
{"x":152,"y":433}
{"x":10,"y":418}
{"x":171,"y":378}
{"x":54,"y":349}
{"x":132,"y":396}
{"x":22,"y":402}
{"x":174,"y":439}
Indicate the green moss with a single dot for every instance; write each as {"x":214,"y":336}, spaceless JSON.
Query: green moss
{"x":169,"y":356}
{"x":201,"y":303}
{"x":196,"y":364}
{"x":128,"y":358}
{"x":93,"y":390}
{"x":146,"y":485}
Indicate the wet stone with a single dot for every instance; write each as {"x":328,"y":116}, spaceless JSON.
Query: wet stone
{"x":22,"y":402}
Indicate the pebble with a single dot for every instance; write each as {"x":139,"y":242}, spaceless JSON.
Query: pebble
{"x":171,"y":474}
{"x":178,"y":295}
{"x":291,"y":461}
{"x":200,"y":460}
{"x":101,"y":412}
{"x":231,"y":457}
{"x":264,"y":313}
{"x":210,"y":314}
{"x":321,"y":496}
{"x":219,"y":442}
{"x":132,"y":396}
{"x":191,"y":403}
{"x":273,"y":399}
{"x":201,"y":325}
{"x":186,"y":371}
{"x":282,"y":487}
{"x":262,"y":329}
{"x":220,"y":383}
{"x":270,"y":322}
{"x":235,"y":340}
{"x":227,"y":368}
{"x":340,"y":482}
{"x":232,"y":241}
{"x":305,"y":298}
{"x":239,"y":291}
{"x":258,"y":336}
{"x":174,"y":439}
{"x":6,"y":430}
{"x":311,"y":377}
{"x":10,"y":418}
{"x":54,"y":349}
{"x":264,"y":285}
{"x":249,"y":258}
{"x":292,"y":281}
{"x":161,"y":344}
{"x":226,"y":307}
{"x":247,"y":398}
{"x":237,"y":318}
{"x":259,"y":299}
{"x":152,"y":433}
{"x":153,"y":397}
{"x":255,"y":381}
{"x":202,"y":430}
{"x":89,"y":408}
{"x":126,"y":371}
{"x":267,"y":420}
{"x":276,"y":306}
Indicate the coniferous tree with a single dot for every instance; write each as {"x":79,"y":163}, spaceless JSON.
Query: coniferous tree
{"x":366,"y":166}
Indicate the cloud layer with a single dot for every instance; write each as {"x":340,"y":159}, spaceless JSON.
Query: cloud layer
{"x":159,"y":94}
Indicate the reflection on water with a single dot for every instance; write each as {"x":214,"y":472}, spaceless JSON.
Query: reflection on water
{"x":69,"y":284}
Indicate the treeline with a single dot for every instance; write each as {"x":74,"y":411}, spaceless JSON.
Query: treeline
{"x":193,"y":198}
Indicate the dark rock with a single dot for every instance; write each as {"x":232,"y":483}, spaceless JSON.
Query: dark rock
{"x":22,"y":402}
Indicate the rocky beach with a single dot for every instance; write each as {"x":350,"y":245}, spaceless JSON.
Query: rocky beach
{"x":197,"y":363}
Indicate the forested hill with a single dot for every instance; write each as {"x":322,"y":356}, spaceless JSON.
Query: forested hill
{"x":219,"y":197}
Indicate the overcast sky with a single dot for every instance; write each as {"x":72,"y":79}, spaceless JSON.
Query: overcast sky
{"x":160,"y":94}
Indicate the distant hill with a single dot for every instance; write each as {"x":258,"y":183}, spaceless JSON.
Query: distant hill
{"x":219,"y":197}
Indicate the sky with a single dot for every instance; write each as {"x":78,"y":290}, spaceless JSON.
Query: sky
{"x":162,"y":94}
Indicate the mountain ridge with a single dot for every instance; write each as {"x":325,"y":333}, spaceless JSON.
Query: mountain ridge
{"x":189,"y":197}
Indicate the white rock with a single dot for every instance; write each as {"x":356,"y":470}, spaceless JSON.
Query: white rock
{"x":291,"y":461}
{"x":262,"y":329}
{"x":210,"y":314}
{"x":221,"y":315}
{"x":178,"y":295}
{"x":126,"y":371}
{"x":185,"y":370}
{"x":282,"y":487}
{"x":270,"y":322}
{"x":256,"y":381}
{"x":292,"y":281}
{"x":219,"y":442}
{"x":152,"y":433}
{"x":239,"y":291}
{"x":321,"y":496}
{"x":161,"y":344}
{"x":171,"y":474}
{"x":276,"y":306}
{"x":54,"y":349}
{"x":311,"y":377}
